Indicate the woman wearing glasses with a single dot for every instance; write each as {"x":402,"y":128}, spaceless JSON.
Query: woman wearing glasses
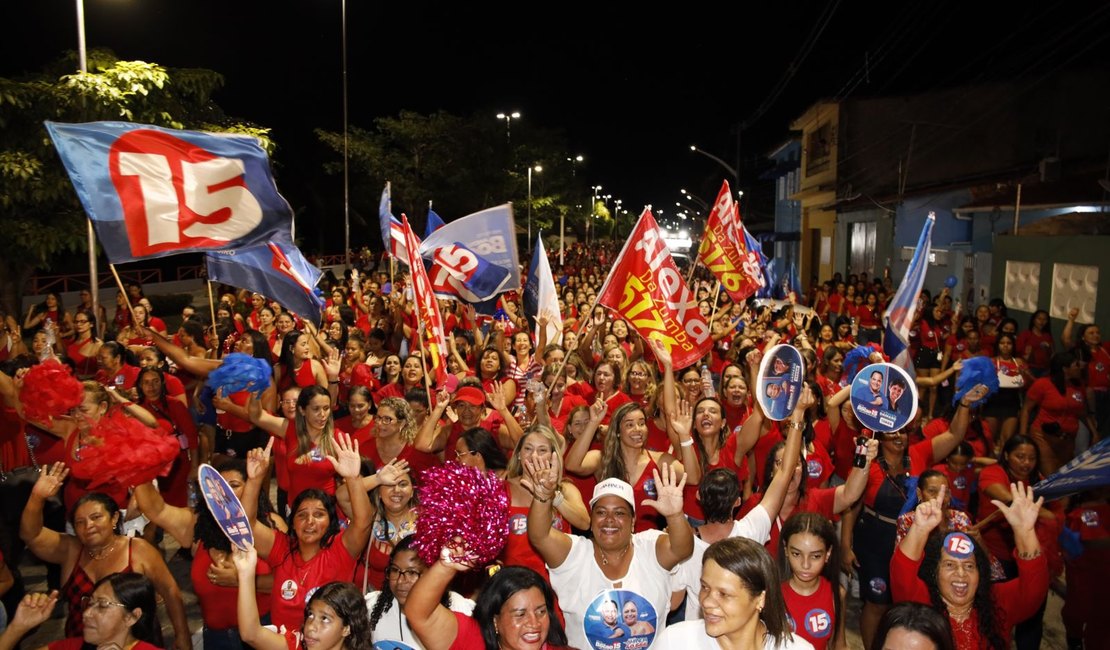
{"x":388,"y":625}
{"x":121,"y":613}
{"x":85,"y":345}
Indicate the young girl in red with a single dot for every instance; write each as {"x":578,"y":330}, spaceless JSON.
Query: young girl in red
{"x":809,"y":562}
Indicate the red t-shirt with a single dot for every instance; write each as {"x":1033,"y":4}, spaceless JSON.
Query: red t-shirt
{"x":217,"y":604}
{"x":1098,"y":370}
{"x":812,"y":617}
{"x":821,"y":501}
{"x":418,"y":460}
{"x":762,"y":451}
{"x":295,"y":579}
{"x":1014,"y":601}
{"x":726,"y":458}
{"x":1062,"y":409}
{"x":997,"y":535}
{"x":492,"y":423}
{"x":123,"y":379}
{"x":1040,"y":348}
{"x":311,"y":471}
{"x":921,"y":459}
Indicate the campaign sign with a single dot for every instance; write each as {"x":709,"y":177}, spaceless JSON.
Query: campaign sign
{"x":884,"y":397}
{"x":781,"y":378}
{"x":224,"y":506}
{"x":618,"y":619}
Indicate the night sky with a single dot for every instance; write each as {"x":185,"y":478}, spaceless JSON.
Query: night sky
{"x":632,"y":90}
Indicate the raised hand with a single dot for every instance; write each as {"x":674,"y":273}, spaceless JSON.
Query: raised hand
{"x":245,"y":559}
{"x":497,"y":397}
{"x":598,"y":410}
{"x":805,"y":400}
{"x":541,"y":477}
{"x":391,"y":473}
{"x":669,"y":490}
{"x":258,"y":461}
{"x":662,"y":354}
{"x":682,"y":421}
{"x":50,"y":480}
{"x":455,"y":556}
{"x":978,"y":392}
{"x":333,"y":364}
{"x":1023,"y":509}
{"x":346,"y":460}
{"x":34,"y":610}
{"x":929,"y":514}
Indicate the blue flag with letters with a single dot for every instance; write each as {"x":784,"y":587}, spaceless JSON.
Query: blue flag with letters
{"x":152,"y":191}
{"x":434,"y":223}
{"x":278,"y":271}
{"x":489,"y":236}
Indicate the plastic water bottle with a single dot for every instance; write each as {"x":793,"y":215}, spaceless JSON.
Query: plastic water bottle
{"x":707,"y":388}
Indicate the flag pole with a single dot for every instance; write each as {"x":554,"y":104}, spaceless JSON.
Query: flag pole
{"x":577,"y":333}
{"x":126,"y":298}
{"x":211,"y":302}
{"x":424,"y":361}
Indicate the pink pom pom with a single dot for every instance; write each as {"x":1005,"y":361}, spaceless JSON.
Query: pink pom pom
{"x":49,"y":390}
{"x":128,"y":453}
{"x":457,"y":501}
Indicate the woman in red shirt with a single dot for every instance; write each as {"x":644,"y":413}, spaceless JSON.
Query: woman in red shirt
{"x":1035,"y":344}
{"x":1061,"y":402}
{"x":870,"y":325}
{"x":1002,"y":409}
{"x":952,"y":573}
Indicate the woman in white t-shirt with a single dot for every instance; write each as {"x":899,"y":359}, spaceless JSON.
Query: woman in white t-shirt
{"x":741,"y":602}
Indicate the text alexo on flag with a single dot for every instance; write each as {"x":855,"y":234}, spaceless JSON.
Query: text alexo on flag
{"x":152,"y":191}
{"x":725,"y":252}
{"x":646,"y":289}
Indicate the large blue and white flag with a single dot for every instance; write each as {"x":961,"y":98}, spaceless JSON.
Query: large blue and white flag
{"x":540,"y":294}
{"x":488,"y":234}
{"x":458,"y":273}
{"x":1087,"y":471}
{"x":900,"y":313}
{"x":278,"y":271}
{"x":152,"y":191}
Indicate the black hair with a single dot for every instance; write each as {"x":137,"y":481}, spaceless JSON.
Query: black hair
{"x":286,"y":358}
{"x":108,"y":502}
{"x":333,"y":517}
{"x":136,"y":591}
{"x":983,"y":601}
{"x":88,"y":313}
{"x":349,"y":605}
{"x":500,"y":588}
{"x":750,"y":561}
{"x":1012,"y":443}
{"x":819,"y":526}
{"x":385,"y":596}
{"x":718,"y":491}
{"x":1047,"y":324}
{"x":769,"y":470}
{"x":915,"y":617}
{"x":1058,"y":367}
{"x":194,"y":329}
{"x":483,"y":442}
{"x":161,"y":377}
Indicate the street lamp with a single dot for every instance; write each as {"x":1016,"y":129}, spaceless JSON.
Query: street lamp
{"x":562,"y":213}
{"x":346,"y":157}
{"x":731,"y":170}
{"x":509,"y":117}
{"x":696,"y":199}
{"x":537,"y":169}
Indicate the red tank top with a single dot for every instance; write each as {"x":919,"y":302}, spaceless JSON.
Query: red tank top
{"x":644,"y":488}
{"x":77,"y":587}
{"x":518,"y":550}
{"x":86,"y":367}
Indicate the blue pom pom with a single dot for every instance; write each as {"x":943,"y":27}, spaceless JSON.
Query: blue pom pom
{"x":951,"y":282}
{"x":240,"y":372}
{"x":856,"y":360}
{"x":911,"y":501}
{"x":975,"y":371}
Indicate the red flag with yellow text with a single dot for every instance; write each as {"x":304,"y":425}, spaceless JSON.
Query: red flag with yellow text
{"x":427,"y":311}
{"x":724,"y":252}
{"x":645,"y":289}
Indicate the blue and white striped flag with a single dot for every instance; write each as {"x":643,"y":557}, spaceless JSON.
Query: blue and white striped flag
{"x":899,"y":315}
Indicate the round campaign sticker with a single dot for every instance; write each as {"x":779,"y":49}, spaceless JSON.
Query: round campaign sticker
{"x":959,"y":545}
{"x":289,"y":590}
{"x":884,"y":397}
{"x":618,"y":619}
{"x":818,"y":623}
{"x":780,"y":381}
{"x":224,"y":506}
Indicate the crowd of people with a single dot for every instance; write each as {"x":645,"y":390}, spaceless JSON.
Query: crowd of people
{"x":648,"y":505}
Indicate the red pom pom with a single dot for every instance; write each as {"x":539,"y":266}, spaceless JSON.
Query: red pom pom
{"x":464,"y":502}
{"x":363,"y":375}
{"x":49,"y":390}
{"x":127,"y":452}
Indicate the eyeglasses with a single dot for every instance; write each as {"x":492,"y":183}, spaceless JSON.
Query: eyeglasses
{"x":463,"y":454}
{"x":403,"y":574}
{"x":101,"y":604}
{"x":289,"y":402}
{"x":80,"y":320}
{"x":387,"y":420}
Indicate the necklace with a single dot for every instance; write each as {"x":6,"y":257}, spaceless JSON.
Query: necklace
{"x":605,"y":559}
{"x":96,"y":556}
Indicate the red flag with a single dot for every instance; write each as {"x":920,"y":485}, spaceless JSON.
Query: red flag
{"x":723,"y":252}
{"x":427,"y":311}
{"x":647,"y":290}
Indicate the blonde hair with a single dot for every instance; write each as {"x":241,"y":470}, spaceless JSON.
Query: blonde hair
{"x":403,"y":412}
{"x":516,"y":468}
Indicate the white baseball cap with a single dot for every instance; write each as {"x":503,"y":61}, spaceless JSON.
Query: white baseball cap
{"x":614,"y":487}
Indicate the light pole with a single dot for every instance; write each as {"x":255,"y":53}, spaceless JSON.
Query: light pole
{"x":593,"y":211}
{"x":731,"y":170}
{"x":696,"y":199}
{"x":509,"y":117}
{"x":562,"y":213}
{"x":538,"y":169}
{"x":94,"y":284}
{"x":346,"y":158}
